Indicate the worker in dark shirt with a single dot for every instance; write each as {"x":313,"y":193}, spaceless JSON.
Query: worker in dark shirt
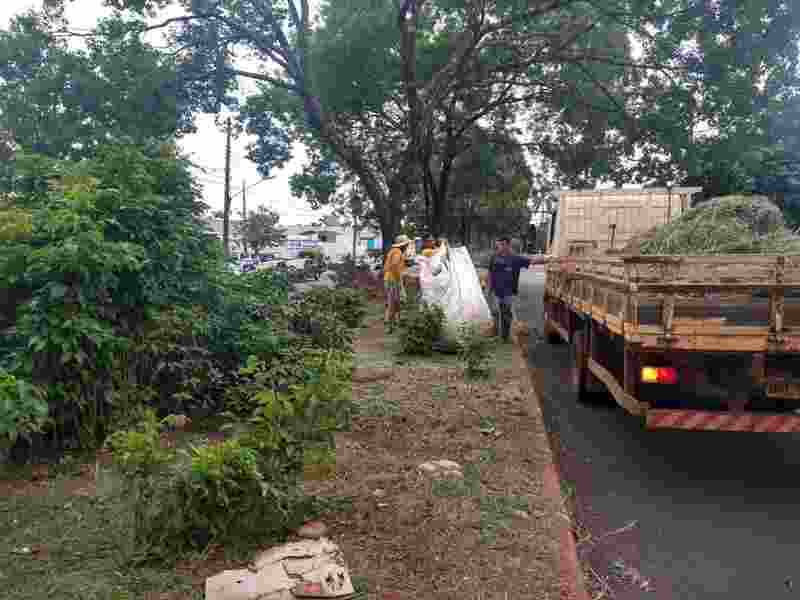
{"x":504,"y":271}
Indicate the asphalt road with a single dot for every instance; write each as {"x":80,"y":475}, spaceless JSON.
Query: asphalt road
{"x":671,"y":514}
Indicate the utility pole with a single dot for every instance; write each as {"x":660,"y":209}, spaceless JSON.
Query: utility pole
{"x":226,"y":213}
{"x":355,"y":235}
{"x":244,"y":213}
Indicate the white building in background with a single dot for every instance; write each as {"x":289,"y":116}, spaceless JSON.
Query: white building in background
{"x":333,"y":239}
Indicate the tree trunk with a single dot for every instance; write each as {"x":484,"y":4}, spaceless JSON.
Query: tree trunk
{"x":440,"y":200}
{"x":390,"y":227}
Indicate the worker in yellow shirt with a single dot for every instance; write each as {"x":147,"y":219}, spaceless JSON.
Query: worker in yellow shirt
{"x":393,"y":268}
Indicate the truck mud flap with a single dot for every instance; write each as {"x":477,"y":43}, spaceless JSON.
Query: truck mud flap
{"x":721,"y":421}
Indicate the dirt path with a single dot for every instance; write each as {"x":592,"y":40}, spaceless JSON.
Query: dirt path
{"x":485,"y":531}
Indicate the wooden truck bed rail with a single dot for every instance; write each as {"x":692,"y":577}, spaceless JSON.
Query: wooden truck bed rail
{"x":694,"y":299}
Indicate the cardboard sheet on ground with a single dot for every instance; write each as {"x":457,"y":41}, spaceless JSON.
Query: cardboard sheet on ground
{"x":453,"y":284}
{"x":283,"y":573}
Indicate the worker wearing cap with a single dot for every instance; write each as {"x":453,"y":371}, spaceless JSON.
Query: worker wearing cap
{"x":393,"y":268}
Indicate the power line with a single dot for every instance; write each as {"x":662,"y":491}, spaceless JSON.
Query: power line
{"x":250,"y":187}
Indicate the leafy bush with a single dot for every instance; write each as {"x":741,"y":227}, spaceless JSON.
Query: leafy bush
{"x":23,"y":409}
{"x":179,"y":500}
{"x":419,"y":327}
{"x":117,"y":290}
{"x":284,"y":421}
{"x":226,"y":496}
{"x":273,"y":371}
{"x":329,"y":316}
{"x":475,"y":350}
{"x":349,"y":305}
{"x":244,"y":487}
{"x":137,"y":453}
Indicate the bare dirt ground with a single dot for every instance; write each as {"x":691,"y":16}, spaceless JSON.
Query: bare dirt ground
{"x":488,"y":533}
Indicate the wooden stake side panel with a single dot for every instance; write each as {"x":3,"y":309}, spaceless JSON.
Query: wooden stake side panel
{"x":659,"y":301}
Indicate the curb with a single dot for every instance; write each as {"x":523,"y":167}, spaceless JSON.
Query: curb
{"x":573,"y":586}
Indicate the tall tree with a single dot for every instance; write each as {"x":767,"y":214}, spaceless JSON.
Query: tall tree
{"x":260,"y":230}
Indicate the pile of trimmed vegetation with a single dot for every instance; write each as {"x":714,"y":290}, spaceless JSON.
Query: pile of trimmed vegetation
{"x":726,"y":225}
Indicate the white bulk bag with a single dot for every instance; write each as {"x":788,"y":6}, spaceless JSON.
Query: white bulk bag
{"x":452,"y":283}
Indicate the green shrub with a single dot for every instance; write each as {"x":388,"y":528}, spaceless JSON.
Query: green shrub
{"x":285,"y":421}
{"x":328,"y":317}
{"x":227,"y":496}
{"x":419,"y":327}
{"x":182,"y":500}
{"x":23,"y":409}
{"x":349,"y":305}
{"x":246,"y":487}
{"x":138,"y":452}
{"x":475,"y":350}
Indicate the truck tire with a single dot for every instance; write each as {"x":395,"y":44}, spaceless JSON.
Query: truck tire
{"x":584,"y":385}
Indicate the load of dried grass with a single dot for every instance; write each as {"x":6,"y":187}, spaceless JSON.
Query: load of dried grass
{"x":725,"y":225}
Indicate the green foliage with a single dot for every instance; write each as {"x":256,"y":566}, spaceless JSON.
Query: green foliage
{"x":260,"y":230}
{"x":23,"y":408}
{"x":350,"y":305}
{"x":283,"y":423}
{"x":138,"y":453}
{"x":180,"y":500}
{"x":475,"y":351}
{"x":419,"y":327}
{"x":65,"y":102}
{"x":226,"y":493}
{"x":245,"y":487}
{"x":128,"y":292}
{"x":329,"y":316}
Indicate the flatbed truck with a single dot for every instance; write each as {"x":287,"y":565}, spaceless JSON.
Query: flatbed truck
{"x":680,"y":342}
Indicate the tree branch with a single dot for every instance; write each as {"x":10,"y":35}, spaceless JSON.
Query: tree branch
{"x":267,"y":78}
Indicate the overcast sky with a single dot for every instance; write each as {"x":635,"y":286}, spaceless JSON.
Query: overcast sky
{"x":207,"y":146}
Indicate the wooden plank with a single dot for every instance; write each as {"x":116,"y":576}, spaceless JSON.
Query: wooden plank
{"x":625,"y":400}
{"x":559,"y":329}
{"x":696,"y":288}
{"x":615,"y":324}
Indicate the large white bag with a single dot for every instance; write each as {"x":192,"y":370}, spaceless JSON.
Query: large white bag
{"x":452,"y":283}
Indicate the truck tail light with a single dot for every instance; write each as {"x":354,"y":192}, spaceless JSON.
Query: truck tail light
{"x":668,"y":375}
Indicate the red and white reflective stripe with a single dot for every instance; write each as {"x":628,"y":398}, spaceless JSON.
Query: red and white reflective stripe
{"x":717,"y":421}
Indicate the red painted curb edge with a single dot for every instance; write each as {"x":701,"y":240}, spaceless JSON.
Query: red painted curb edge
{"x":570,"y":574}
{"x":573,"y":587}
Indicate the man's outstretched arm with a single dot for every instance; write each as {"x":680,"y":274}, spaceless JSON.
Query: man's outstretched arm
{"x":538,"y":259}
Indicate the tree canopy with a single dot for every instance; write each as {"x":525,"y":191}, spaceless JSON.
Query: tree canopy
{"x":653,"y":91}
{"x":65,"y":103}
